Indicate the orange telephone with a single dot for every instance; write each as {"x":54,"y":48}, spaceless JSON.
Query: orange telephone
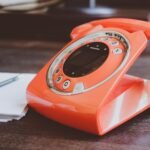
{"x":85,"y":86}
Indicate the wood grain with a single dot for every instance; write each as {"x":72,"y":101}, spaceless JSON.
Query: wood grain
{"x":34,"y":132}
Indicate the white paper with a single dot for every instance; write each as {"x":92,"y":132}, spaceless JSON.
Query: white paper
{"x":13,"y":101}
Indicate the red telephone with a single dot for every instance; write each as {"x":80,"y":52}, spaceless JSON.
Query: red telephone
{"x":85,"y":86}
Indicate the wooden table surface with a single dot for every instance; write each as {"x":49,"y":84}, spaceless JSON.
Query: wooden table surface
{"x":34,"y":132}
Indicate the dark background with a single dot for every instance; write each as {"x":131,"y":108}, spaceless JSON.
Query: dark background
{"x":57,"y":22}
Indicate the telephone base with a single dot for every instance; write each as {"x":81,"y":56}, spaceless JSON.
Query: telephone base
{"x":128,"y":99}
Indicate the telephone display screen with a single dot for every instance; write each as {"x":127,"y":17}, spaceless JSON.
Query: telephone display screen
{"x":86,"y":59}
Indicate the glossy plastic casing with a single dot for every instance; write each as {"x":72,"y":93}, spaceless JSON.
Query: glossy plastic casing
{"x":104,"y":107}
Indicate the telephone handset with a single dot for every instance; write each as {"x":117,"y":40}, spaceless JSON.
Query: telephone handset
{"x":85,"y":86}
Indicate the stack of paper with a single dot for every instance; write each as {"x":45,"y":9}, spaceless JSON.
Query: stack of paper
{"x":13,"y":103}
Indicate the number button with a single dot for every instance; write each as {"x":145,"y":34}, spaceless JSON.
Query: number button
{"x":66,"y":84}
{"x":58,"y":80}
{"x":114,"y":43}
{"x":117,"y":51}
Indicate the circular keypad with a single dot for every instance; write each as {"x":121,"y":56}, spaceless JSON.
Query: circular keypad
{"x":69,"y":71}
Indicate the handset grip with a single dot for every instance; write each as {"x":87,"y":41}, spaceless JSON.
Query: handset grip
{"x":130,"y":25}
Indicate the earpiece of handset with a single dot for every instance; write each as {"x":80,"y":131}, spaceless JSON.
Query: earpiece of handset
{"x":85,"y":29}
{"x":80,"y":30}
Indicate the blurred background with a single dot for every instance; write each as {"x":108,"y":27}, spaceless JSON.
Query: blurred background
{"x":54,"y":19}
